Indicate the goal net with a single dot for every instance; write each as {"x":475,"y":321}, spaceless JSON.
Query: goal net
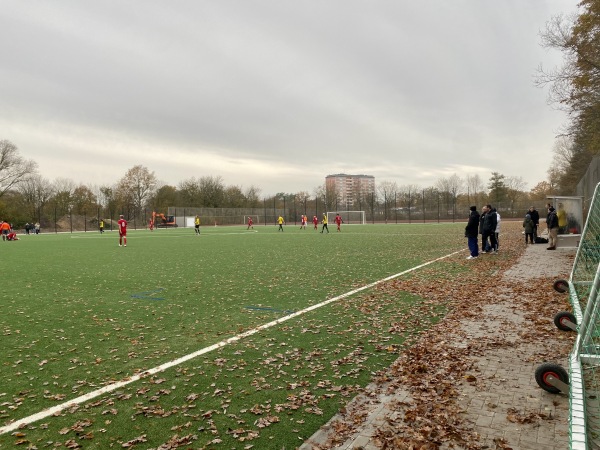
{"x":348,"y":217}
{"x":254,"y":217}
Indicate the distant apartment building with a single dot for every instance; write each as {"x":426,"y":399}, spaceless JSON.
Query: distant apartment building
{"x":350,"y":188}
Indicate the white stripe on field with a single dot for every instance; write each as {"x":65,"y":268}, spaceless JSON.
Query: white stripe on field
{"x":114,"y":386}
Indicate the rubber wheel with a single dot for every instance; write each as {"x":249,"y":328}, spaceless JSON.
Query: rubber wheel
{"x":544,"y":371}
{"x":561,"y":318}
{"x":561,"y":286}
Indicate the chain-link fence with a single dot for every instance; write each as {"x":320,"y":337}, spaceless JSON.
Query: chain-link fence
{"x":584,"y":361}
{"x":416,"y":208}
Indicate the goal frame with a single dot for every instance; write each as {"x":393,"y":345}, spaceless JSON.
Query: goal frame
{"x":348,"y":217}
{"x":255,"y":219}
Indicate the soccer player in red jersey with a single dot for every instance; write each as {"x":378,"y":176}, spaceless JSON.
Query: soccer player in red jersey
{"x":316,"y":222}
{"x":338,"y":221}
{"x":122,"y":231}
{"x":250,"y":223}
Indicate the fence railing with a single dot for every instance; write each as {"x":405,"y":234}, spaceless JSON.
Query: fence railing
{"x":582,"y":382}
{"x":427,"y":210}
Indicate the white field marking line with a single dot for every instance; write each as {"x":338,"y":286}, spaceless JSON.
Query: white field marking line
{"x":114,"y":386}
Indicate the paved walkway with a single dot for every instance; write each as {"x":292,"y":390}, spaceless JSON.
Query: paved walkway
{"x":497,"y":399}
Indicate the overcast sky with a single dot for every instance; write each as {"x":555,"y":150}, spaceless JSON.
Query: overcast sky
{"x":279,"y":94}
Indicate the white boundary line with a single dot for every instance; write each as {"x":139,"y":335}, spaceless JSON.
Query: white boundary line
{"x":114,"y":386}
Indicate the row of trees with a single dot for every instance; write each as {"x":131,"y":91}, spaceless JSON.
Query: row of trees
{"x":26,"y":196}
{"x":575,"y":88}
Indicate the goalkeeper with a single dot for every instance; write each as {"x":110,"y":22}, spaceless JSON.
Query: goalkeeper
{"x":324,"y":222}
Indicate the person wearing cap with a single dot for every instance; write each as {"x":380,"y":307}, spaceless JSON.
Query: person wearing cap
{"x":552,"y":223}
{"x":471,"y":233}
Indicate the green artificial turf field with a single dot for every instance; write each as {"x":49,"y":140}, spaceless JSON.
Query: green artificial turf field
{"x":80,"y":313}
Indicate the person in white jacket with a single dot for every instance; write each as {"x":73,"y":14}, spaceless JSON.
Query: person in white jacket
{"x":497,"y":228}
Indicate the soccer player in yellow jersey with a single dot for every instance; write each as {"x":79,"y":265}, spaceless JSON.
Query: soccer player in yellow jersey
{"x":280,"y":221}
{"x":197,"y":224}
{"x":324,"y":222}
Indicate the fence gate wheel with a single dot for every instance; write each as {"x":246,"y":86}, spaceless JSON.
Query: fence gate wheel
{"x":543,"y":372}
{"x":561,"y":320}
{"x":561,"y":286}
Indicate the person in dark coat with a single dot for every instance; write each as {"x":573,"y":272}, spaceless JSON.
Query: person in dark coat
{"x":528,"y":227}
{"x":489,"y":229}
{"x":471,"y":232}
{"x":535,"y":217}
{"x":484,"y":243}
{"x":552,"y":223}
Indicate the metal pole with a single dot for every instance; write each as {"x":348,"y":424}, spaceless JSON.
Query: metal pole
{"x":423,"y":205}
{"x":409,"y":204}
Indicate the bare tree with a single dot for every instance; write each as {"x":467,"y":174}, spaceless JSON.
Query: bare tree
{"x":387,"y":191}
{"x":515,"y":189}
{"x":252,"y":196}
{"x":36,"y":192}
{"x":212,"y":191}
{"x":13,"y":168}
{"x":62,"y":198}
{"x":449,"y":188}
{"x":136,"y":186}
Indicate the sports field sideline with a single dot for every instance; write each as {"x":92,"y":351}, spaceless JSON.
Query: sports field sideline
{"x":80,"y":313}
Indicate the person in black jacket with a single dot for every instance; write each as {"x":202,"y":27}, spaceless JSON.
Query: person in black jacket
{"x":471,"y":232}
{"x":535,"y":217}
{"x":484,"y":243}
{"x":552,"y":223}
{"x":489,"y":229}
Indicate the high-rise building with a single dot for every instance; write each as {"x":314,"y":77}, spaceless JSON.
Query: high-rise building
{"x":350,"y":189}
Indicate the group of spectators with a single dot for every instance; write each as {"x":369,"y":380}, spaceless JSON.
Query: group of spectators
{"x":31,"y":228}
{"x":555,"y":222}
{"x":486,"y":224}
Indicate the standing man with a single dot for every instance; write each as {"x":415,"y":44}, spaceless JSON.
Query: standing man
{"x":280,"y":221}
{"x":484,"y":242}
{"x":338,"y":221}
{"x":471,"y":232}
{"x":5,"y":228}
{"x":489,"y":229}
{"x":552,"y":223}
{"x":324,"y":222}
{"x":197,"y":225}
{"x":497,"y":232}
{"x":535,"y":217}
{"x":122,"y":231}
{"x":303,"y":221}
{"x":315,"y":223}
{"x":250,"y":223}
{"x":101,"y":226}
